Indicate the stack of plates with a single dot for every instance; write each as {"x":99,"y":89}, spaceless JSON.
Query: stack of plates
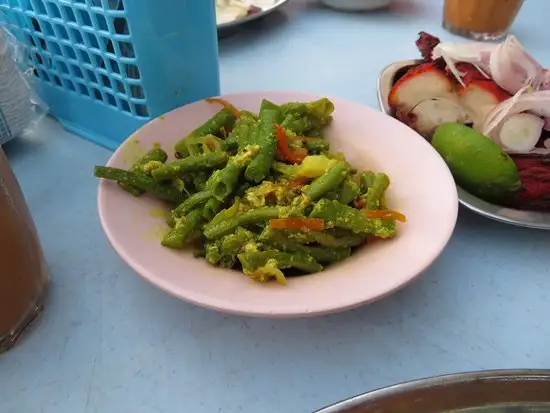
{"x":16,"y":108}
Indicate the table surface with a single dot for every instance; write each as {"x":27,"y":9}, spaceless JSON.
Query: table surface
{"x":110,"y":342}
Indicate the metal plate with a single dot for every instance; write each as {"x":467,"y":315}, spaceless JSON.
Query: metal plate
{"x":238,"y":22}
{"x":528,"y":219}
{"x":498,"y":391}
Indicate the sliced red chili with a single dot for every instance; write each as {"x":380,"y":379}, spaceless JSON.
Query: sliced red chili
{"x":293,"y":156}
{"x":302,"y":180}
{"x":385,"y":214}
{"x":226,"y":105}
{"x":359,"y":203}
{"x":312,"y":224}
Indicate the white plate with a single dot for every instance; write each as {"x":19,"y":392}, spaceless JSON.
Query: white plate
{"x":246,"y":19}
{"x":421,"y":187}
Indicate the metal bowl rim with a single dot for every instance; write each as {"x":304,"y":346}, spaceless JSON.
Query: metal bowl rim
{"x":438,"y":381}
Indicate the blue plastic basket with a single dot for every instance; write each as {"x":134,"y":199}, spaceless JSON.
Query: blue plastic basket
{"x":106,"y":67}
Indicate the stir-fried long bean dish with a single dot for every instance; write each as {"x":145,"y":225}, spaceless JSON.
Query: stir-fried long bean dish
{"x":262,"y":192}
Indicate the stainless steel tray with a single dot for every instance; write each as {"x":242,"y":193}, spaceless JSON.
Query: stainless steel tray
{"x":498,"y":391}
{"x":528,"y":219}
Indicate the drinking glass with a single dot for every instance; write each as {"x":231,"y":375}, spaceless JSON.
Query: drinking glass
{"x":23,"y":273}
{"x":480,"y":19}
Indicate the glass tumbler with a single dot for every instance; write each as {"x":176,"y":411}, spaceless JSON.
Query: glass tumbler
{"x":480,"y":19}
{"x":23,"y":273}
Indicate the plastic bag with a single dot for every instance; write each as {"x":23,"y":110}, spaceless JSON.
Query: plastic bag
{"x":20,"y":106}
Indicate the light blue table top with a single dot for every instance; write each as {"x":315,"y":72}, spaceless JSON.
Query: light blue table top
{"x":111,"y":343}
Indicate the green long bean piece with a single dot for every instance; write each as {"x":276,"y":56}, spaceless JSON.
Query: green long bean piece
{"x":327,"y":182}
{"x":366,"y":179}
{"x":266,"y":104}
{"x":156,"y":154}
{"x":326,"y":238}
{"x":197,"y":145}
{"x":243,"y":132}
{"x":295,"y":123}
{"x":254,"y":260}
{"x":200,"y":178}
{"x":211,"y":208}
{"x":284,"y":169}
{"x":224,"y":119}
{"x":232,"y":244}
{"x":190,"y":164}
{"x":260,"y":165}
{"x":323,"y":254}
{"x":225,"y":213}
{"x":307,"y":117}
{"x":224,"y":182}
{"x":348,"y":192}
{"x":212,"y":251}
{"x":230,"y":144}
{"x":219,"y":229}
{"x":141,"y":181}
{"x":185,"y":227}
{"x":376,"y":190}
{"x":339,"y":215}
{"x":194,"y":201}
{"x":317,"y":147}
{"x":227,"y":180}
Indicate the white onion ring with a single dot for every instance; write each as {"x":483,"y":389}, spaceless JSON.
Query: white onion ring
{"x":512,"y":67}
{"x":537,"y":103}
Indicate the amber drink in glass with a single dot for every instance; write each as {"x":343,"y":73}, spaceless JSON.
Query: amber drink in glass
{"x":480,"y":19}
{"x":23,"y":273}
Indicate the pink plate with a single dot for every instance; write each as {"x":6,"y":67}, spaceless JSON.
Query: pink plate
{"x":421,"y":187}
